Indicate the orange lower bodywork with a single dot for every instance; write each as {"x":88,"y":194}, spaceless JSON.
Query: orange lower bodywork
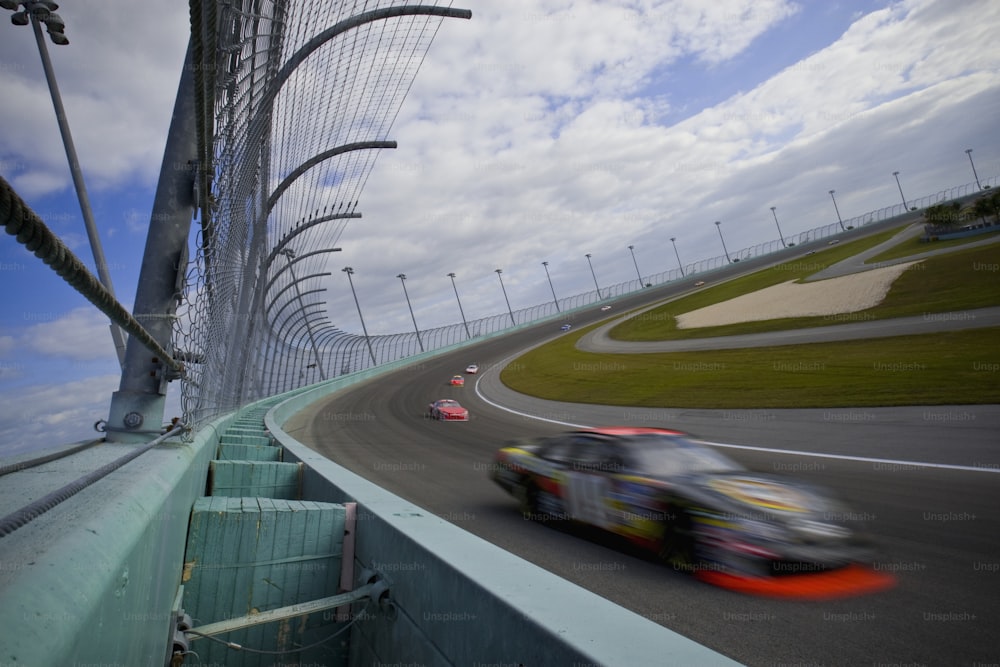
{"x":850,"y":581}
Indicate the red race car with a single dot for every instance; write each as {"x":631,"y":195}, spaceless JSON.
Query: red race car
{"x":447,"y":409}
{"x":457,"y":381}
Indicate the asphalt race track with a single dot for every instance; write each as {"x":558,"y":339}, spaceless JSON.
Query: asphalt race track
{"x":937,"y":525}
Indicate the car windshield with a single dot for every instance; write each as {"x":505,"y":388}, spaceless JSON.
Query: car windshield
{"x":664,"y":455}
{"x":448,"y":404}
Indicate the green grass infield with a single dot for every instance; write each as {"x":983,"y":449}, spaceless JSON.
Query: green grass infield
{"x":961,"y":367}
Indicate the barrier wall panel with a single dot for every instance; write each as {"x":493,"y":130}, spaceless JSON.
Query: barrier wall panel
{"x":255,"y":478}
{"x":231,"y":452}
{"x":249,"y":555}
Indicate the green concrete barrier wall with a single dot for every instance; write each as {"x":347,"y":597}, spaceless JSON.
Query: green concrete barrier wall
{"x":94,"y":580}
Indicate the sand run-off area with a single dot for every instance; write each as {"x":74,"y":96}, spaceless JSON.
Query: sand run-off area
{"x":833,"y":296}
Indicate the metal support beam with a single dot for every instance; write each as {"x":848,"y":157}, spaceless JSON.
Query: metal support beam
{"x":291,"y":611}
{"x":136,"y":412}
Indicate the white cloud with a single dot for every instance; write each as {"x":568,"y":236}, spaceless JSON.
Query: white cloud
{"x":118,"y":79}
{"x":79,"y":335}
{"x":52,"y":415}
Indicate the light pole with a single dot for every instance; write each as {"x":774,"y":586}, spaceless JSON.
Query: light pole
{"x":968,"y":151}
{"x":498,"y":272}
{"x":595,"y":276}
{"x":896,"y":174}
{"x":837,"y":210}
{"x":673,"y":240}
{"x":350,"y":272}
{"x":718,"y":225}
{"x":467,"y":334}
{"x":631,"y":249}
{"x":555,"y":299}
{"x":290,"y":255}
{"x":37,"y":12}
{"x":780,"y":235}
{"x":402,"y":279}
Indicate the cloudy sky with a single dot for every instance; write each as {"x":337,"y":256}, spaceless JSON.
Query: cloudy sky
{"x":541,"y":130}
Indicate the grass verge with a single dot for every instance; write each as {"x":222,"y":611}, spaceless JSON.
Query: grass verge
{"x":952,"y":368}
{"x":915,"y":246}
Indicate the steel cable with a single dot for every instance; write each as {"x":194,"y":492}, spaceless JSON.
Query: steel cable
{"x":24,"y":224}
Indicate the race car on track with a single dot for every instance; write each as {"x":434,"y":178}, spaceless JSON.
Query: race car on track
{"x":566,"y":327}
{"x":605,"y":308}
{"x":447,"y":409}
{"x":472,"y":368}
{"x":457,"y":381}
{"x":695,"y":508}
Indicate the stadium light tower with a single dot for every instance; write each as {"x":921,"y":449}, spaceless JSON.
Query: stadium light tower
{"x":466,"y":324}
{"x":718,"y":225}
{"x":37,"y":12}
{"x":673,"y":240}
{"x":631,"y":249}
{"x":896,"y":174}
{"x":595,"y":276}
{"x":780,"y":235}
{"x":837,"y":210}
{"x":350,"y":272}
{"x":498,"y":272}
{"x":555,"y":299}
{"x":402,"y":279}
{"x":968,"y":151}
{"x":290,"y":255}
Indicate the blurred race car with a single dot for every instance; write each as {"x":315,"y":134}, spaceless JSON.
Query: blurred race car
{"x":472,"y":368}
{"x":457,"y":381}
{"x":566,"y":327}
{"x":605,"y":307}
{"x":696,"y":509}
{"x":447,"y":409}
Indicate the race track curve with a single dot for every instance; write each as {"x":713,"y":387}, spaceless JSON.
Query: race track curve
{"x":937,"y":526}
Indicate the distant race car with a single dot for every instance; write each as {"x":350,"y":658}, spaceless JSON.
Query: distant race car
{"x":566,"y":327}
{"x":698,"y":510}
{"x":447,"y":409}
{"x":457,"y":381}
{"x":699,"y":283}
{"x":605,"y":307}
{"x":472,"y":368}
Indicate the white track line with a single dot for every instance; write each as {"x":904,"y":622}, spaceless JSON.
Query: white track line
{"x":893,"y":465}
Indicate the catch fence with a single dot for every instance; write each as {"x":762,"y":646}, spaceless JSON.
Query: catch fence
{"x":294,"y":100}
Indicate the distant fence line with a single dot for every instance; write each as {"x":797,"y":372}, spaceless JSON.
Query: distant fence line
{"x":342,"y":353}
